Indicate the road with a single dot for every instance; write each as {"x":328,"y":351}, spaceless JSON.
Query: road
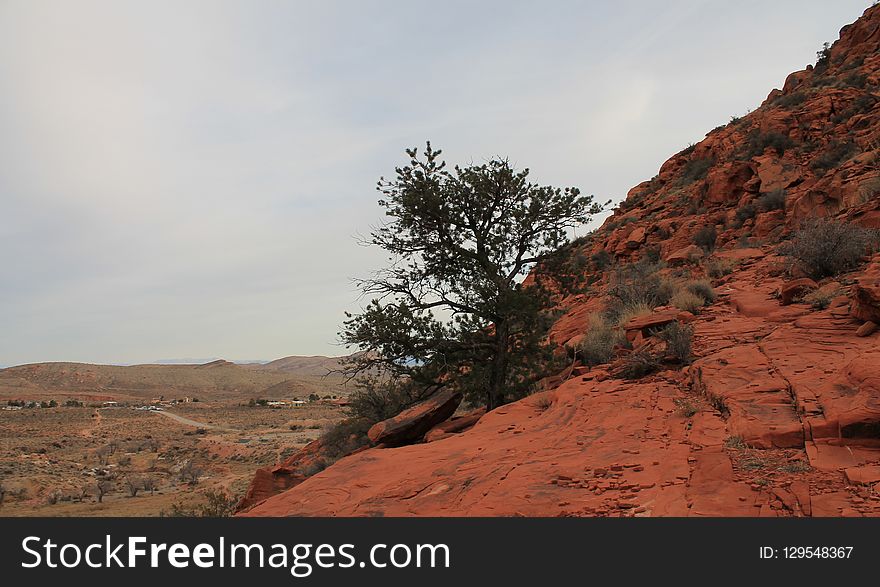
{"x":194,"y":423}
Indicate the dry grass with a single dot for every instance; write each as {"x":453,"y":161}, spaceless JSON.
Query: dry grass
{"x":687,"y":301}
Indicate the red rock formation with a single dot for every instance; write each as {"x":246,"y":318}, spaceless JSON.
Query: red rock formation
{"x":411,"y":424}
{"x":779,"y":414}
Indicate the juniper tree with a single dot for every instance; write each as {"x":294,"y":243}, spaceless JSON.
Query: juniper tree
{"x":451,"y":308}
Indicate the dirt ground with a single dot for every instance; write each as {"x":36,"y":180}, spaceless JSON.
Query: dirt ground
{"x":52,"y":460}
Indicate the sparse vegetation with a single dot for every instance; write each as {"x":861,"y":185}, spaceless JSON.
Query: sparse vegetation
{"x":216,"y":504}
{"x":701,"y":288}
{"x":685,"y":407}
{"x":706,"y":237}
{"x":600,"y":260}
{"x":835,"y":154}
{"x":823,"y":248}
{"x":717,"y":268}
{"x":735,"y":443}
{"x":638,"y":364}
{"x":820,"y":299}
{"x":600,"y":339}
{"x":687,"y":301}
{"x":757,"y":142}
{"x":679,"y":339}
{"x":696,"y":169}
{"x":745,"y":212}
{"x":774,"y":200}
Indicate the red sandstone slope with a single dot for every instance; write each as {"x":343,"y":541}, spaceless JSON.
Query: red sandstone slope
{"x":783,"y":402}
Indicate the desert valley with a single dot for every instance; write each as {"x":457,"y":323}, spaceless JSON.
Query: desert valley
{"x":148,"y":440}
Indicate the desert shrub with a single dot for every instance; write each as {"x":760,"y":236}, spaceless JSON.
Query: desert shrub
{"x":774,"y":200}
{"x":543,"y":403}
{"x":716,"y":268}
{"x":345,"y":437}
{"x":635,"y":285}
{"x":687,"y":301}
{"x":627,"y":313}
{"x":735,"y":443}
{"x":679,"y":339}
{"x":757,"y":142}
{"x":702,"y":288}
{"x":600,"y":260}
{"x":834,"y":155}
{"x":745,"y":212}
{"x":597,"y":346}
{"x":790,"y":100}
{"x":696,"y":169}
{"x":685,"y":407}
{"x":868,"y":189}
{"x":639,"y":364}
{"x":706,"y":237}
{"x":822,"y":247}
{"x":819,"y":299}
{"x":216,"y":504}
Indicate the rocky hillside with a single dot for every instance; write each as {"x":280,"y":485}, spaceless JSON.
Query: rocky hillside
{"x":775,"y":408}
{"x":293,"y":377}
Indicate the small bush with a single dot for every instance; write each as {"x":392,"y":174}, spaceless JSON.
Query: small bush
{"x":822,"y":248}
{"x":735,"y":443}
{"x":868,"y":189}
{"x":626,"y":313}
{"x":743,"y":213}
{"x":639,"y":364}
{"x":702,"y":288}
{"x":706,"y":237}
{"x":679,"y":339}
{"x":790,"y":100}
{"x":757,"y":142}
{"x":696,"y":169}
{"x":600,"y":260}
{"x":774,"y":200}
{"x":685,"y":407}
{"x":597,"y":346}
{"x":635,"y":285}
{"x":687,"y":301}
{"x":833,"y":156}
{"x":717,"y":268}
{"x":820,"y":299}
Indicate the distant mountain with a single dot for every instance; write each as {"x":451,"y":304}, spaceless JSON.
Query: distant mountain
{"x":214,"y":379}
{"x":192,"y":361}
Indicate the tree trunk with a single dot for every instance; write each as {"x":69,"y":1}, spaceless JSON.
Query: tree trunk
{"x":498,"y":372}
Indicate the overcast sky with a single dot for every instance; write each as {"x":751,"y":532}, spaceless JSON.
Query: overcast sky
{"x":186,"y":179}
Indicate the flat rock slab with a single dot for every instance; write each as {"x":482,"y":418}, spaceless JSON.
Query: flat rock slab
{"x":413,"y":423}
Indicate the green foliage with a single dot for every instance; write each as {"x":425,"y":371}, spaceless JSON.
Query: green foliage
{"x":823,"y":248}
{"x":450,"y":306}
{"x":823,"y":57}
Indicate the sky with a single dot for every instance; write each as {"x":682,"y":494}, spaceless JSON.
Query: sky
{"x":189,"y":179}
